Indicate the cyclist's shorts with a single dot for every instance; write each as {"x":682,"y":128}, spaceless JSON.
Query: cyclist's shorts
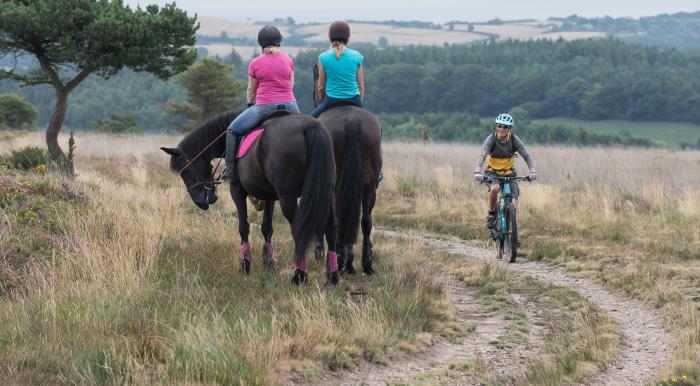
{"x":514,"y":191}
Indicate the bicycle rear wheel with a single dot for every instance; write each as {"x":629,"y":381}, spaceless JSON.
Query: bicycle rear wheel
{"x":511,"y":237}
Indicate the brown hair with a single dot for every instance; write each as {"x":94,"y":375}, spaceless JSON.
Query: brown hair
{"x":271,"y":50}
{"x":339,"y":47}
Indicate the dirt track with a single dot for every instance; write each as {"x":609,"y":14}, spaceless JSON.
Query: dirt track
{"x":644,"y":353}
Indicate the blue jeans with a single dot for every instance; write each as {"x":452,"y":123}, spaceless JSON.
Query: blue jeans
{"x":253,"y":115}
{"x":327,"y":101}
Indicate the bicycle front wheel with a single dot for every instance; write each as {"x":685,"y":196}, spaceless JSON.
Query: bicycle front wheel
{"x":511,"y":237}
{"x":499,"y":247}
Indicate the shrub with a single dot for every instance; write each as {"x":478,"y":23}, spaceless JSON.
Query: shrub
{"x":27,"y":158}
{"x":117,"y":124}
{"x":15,"y":112}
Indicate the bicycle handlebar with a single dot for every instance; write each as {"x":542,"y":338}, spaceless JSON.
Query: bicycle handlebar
{"x":506,"y":179}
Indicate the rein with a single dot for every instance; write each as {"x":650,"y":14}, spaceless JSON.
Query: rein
{"x":202,"y":152}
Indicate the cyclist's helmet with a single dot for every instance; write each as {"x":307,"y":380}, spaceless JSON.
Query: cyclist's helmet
{"x":339,"y":31}
{"x":269,"y":36}
{"x":505,"y":119}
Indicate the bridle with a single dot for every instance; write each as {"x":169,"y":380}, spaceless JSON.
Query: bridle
{"x":210,"y":185}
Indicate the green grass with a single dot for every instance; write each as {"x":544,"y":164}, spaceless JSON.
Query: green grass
{"x":664,"y":133}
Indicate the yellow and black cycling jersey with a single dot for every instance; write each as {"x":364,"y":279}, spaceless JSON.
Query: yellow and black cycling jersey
{"x":500,"y":156}
{"x":500,"y":166}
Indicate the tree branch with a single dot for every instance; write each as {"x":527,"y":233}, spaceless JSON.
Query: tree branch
{"x":78,"y":78}
{"x":24,"y":79}
{"x":52,"y":74}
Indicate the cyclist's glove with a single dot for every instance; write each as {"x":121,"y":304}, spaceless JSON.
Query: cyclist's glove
{"x":533,"y":176}
{"x":478,"y":177}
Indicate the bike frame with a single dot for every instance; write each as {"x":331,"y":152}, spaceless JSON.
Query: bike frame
{"x":504,"y":199}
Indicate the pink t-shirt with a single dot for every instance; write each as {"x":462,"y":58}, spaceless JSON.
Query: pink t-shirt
{"x":274,"y":74}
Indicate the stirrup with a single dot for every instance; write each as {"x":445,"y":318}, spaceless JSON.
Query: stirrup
{"x":229,"y":174}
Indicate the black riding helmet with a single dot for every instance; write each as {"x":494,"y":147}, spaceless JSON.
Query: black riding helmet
{"x":269,"y":36}
{"x":339,"y":31}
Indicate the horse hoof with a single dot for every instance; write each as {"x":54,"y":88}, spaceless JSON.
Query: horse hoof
{"x":368,"y":270}
{"x":299,"y":277}
{"x":245,"y":267}
{"x":332,"y":278}
{"x":349,"y":269}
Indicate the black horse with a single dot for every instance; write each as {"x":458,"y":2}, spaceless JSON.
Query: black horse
{"x":356,"y":137}
{"x":292,"y":158}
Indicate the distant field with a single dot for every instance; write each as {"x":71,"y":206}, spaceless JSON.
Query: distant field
{"x":395,"y":35}
{"x":508,"y":31}
{"x":664,"y":133}
{"x":212,"y":26}
{"x":370,"y":33}
{"x":245,"y":52}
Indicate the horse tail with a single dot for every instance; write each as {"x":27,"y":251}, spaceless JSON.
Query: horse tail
{"x":350,"y":183}
{"x":317,"y":192}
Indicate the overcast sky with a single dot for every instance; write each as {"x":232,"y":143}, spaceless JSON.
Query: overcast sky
{"x":428,"y":10}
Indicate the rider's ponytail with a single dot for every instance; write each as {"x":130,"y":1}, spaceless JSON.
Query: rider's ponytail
{"x":270,"y":50}
{"x":339,"y":47}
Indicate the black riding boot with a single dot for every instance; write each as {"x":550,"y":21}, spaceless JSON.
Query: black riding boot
{"x":230,"y":172}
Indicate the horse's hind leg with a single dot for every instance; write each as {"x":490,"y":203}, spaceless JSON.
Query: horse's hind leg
{"x":239,"y":196}
{"x":289,"y":209}
{"x":268,"y":255}
{"x":369,"y":197}
{"x":331,"y":258}
{"x":318,"y":249}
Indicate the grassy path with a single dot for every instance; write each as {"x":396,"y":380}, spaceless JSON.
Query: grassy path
{"x":644,"y":352}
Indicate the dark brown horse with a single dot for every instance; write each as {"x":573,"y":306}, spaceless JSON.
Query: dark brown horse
{"x":293,"y":158}
{"x":356,"y":137}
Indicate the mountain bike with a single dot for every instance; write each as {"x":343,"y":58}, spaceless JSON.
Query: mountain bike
{"x":505,"y":230}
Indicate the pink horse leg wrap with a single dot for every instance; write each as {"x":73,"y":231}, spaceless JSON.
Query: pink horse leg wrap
{"x":332,"y":262}
{"x":301,"y":266}
{"x":270,"y":252}
{"x":245,"y":252}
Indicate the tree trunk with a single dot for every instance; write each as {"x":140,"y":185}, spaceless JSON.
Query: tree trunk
{"x":55,"y":124}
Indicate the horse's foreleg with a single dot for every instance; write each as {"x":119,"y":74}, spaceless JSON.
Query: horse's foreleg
{"x":289,"y":209}
{"x":368,"y":199}
{"x":239,"y":198}
{"x":268,"y":255}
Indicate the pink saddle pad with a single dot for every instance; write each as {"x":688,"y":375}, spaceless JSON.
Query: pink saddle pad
{"x":248,"y":141}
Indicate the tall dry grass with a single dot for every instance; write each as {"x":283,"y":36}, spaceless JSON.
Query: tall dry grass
{"x":147,"y":289}
{"x":629,"y":217}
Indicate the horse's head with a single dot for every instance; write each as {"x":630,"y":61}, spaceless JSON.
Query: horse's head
{"x":197,"y":176}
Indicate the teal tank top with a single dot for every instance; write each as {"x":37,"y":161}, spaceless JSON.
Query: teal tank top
{"x":341,"y":74}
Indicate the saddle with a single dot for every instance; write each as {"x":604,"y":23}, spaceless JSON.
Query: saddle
{"x":249,"y":139}
{"x":342,"y":102}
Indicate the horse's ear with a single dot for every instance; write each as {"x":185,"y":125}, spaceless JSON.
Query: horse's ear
{"x":173,"y":151}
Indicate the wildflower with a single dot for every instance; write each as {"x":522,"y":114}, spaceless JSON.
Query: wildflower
{"x":41,"y":169}
{"x":685,"y":377}
{"x":674,"y":380}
